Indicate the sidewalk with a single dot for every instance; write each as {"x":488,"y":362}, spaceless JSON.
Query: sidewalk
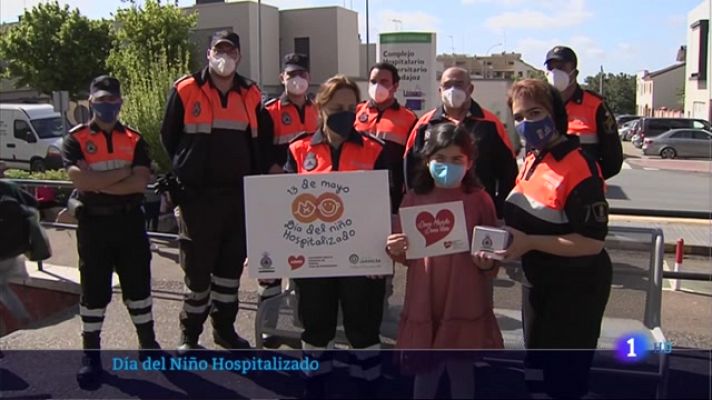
{"x":696,"y":233}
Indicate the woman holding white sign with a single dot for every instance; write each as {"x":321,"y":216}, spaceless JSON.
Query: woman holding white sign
{"x":448,"y":299}
{"x":558,"y":218}
{"x":336,"y":146}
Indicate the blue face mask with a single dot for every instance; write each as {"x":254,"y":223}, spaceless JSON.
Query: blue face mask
{"x":447,"y":175}
{"x":536,"y":134}
{"x":107,"y":112}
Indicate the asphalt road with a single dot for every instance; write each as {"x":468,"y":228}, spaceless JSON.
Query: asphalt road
{"x":653,"y":184}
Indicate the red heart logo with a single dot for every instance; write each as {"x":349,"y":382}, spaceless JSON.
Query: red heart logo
{"x":447,"y":244}
{"x":296,"y":262}
{"x":434,"y":228}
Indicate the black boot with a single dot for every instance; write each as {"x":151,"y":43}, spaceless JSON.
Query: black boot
{"x":146,"y":341}
{"x":229,"y":339}
{"x":90,"y":373}
{"x":188,"y":344}
{"x":147,"y":337}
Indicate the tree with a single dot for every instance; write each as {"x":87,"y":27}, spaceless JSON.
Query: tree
{"x":152,"y":49}
{"x":144,"y":97}
{"x":618,"y":90}
{"x":145,"y":32}
{"x":54,"y":48}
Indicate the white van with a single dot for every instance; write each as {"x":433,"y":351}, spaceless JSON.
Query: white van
{"x":31,"y":136}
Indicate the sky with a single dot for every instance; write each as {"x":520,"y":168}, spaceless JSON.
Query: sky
{"x":619,"y":35}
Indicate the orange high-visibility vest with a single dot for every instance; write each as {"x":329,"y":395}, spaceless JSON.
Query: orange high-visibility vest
{"x":204,"y":112}
{"x":316,"y":157}
{"x":544,"y":191}
{"x":287,"y":124}
{"x":582,"y":118}
{"x":97,"y":153}
{"x":392,"y":125}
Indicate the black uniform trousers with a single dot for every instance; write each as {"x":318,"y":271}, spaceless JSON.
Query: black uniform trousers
{"x":212,"y":253}
{"x":361,"y":301}
{"x":564,"y":315}
{"x":107,"y":243}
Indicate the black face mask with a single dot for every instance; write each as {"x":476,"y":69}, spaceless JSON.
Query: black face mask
{"x":341,"y":123}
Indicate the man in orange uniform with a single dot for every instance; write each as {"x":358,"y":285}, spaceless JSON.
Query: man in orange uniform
{"x":389,"y":121}
{"x":283,"y":119}
{"x":589,"y":117}
{"x":210,"y":132}
{"x":290,"y":115}
{"x":108,"y":164}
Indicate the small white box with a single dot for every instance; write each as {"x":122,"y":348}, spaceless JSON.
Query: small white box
{"x":489,"y":240}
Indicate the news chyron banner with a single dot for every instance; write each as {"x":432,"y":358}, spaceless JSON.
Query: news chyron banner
{"x":413,"y":53}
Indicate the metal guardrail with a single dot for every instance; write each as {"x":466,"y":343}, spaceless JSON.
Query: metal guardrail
{"x":695,"y":276}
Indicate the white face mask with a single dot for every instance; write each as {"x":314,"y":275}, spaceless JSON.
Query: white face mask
{"x":296,"y":85}
{"x":454,"y":97}
{"x":558,"y":79}
{"x":378,"y":92}
{"x":223,"y":64}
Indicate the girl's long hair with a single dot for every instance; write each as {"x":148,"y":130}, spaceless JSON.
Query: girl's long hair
{"x":439,"y":137}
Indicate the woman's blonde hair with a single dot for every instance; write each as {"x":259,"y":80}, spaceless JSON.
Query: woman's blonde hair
{"x":328,"y":88}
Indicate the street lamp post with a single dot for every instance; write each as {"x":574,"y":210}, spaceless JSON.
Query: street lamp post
{"x":259,"y":43}
{"x":368,"y":42}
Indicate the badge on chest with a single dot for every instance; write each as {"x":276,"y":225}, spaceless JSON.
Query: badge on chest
{"x":310,"y":161}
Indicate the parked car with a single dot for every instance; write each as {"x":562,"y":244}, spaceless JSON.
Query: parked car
{"x":31,"y":136}
{"x":637,"y":141}
{"x":679,"y":143}
{"x":651,"y":127}
{"x":622,"y":119}
{"x":625,"y":130}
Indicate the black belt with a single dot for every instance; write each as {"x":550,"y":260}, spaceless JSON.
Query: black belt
{"x":106,"y":211}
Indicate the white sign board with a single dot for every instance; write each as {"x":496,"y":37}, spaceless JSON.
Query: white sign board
{"x":413,"y":53}
{"x":435,"y":229}
{"x":318,"y":225}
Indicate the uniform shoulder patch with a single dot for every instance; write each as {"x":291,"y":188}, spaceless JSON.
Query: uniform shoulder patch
{"x":599,"y":211}
{"x":271,"y":101}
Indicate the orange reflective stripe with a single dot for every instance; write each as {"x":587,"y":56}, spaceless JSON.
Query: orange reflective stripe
{"x":588,"y":138}
{"x":545,"y":192}
{"x":203,"y":110}
{"x":95,"y":148}
{"x":535,"y":208}
{"x":354,"y":157}
{"x":287,"y":123}
{"x":197,"y":128}
{"x":393,"y":126}
{"x":392,"y":137}
{"x":227,"y":124}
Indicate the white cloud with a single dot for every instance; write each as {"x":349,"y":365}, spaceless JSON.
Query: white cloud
{"x":550,"y":14}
